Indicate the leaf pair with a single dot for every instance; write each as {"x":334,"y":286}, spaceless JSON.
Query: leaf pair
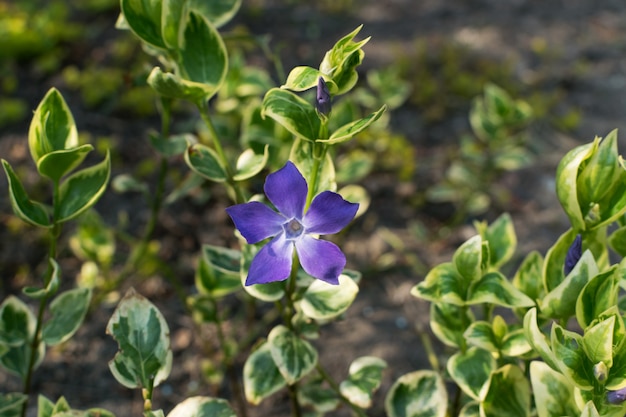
{"x":54,"y":147}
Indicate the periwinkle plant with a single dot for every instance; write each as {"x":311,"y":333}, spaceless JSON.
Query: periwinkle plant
{"x":532,"y":363}
{"x":194,"y":67}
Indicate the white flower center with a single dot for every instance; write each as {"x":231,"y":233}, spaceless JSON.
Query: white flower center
{"x":293,"y":229}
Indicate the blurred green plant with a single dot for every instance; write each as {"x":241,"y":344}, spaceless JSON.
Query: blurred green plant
{"x":499,"y":145}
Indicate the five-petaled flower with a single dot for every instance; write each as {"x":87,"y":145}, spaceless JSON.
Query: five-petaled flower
{"x":328,"y":213}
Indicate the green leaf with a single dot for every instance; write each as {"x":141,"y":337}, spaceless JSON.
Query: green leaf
{"x":171,"y":85}
{"x":52,"y":127}
{"x":471,"y":409}
{"x":303,"y":78}
{"x":553,"y":274}
{"x":468,"y":259}
{"x":341,"y":61}
{"x":218,"y":271}
{"x":365,"y":376}
{"x":218,"y":12}
{"x":292,"y":112}
{"x":144,"y":19}
{"x":261,"y":376}
{"x":507,"y":393}
{"x":480,"y":334}
{"x":82,"y":190}
{"x":173,"y":145}
{"x":589,"y":410}
{"x":322,"y":400}
{"x":56,"y":164}
{"x":11,"y":404}
{"x":617,"y":240}
{"x":566,"y":188}
{"x":17,"y":329}
{"x":270,"y":292}
{"x":202,"y":407}
{"x":203,"y":57}
{"x":598,"y":341}
{"x":597,"y":296}
{"x":347,"y":132}
{"x":561,"y":301}
{"x":300,"y":155}
{"x":144,"y":358}
{"x":50,"y":289}
{"x":30,"y":211}
{"x":571,"y":357}
{"x":442,"y":284}
{"x":471,"y":369}
{"x":515,"y":344}
{"x":494,"y":288}
{"x":528,"y":278}
{"x":449,"y":323}
{"x":68,"y":310}
{"x":323,"y":301}
{"x":249,"y":164}
{"x":293,"y":356}
{"x":17,"y":322}
{"x":417,"y":394}
{"x":174,"y":14}
{"x":502,"y":239}
{"x":553,"y":393}
{"x":538,"y":340}
{"x":205,"y":161}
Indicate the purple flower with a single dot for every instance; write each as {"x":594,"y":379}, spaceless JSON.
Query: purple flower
{"x":322,"y":102}
{"x":291,"y":227}
{"x":574,"y":253}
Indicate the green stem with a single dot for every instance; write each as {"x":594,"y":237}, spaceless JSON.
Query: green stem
{"x":228,"y":360}
{"x":237,"y":193}
{"x":53,"y":236}
{"x":296,"y":411}
{"x":319,"y":154}
{"x":335,"y":387}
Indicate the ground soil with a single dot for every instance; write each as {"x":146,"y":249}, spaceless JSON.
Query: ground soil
{"x":385,"y":321}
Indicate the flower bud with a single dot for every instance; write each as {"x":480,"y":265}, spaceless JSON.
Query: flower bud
{"x":574,"y":253}
{"x":322,"y":101}
{"x":616,"y":397}
{"x":600,"y":371}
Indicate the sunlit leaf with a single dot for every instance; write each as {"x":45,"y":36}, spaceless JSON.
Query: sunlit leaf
{"x":81,"y":190}
{"x":30,"y":211}
{"x":144,"y":358}
{"x":202,"y":407}
{"x":261,"y":376}
{"x":417,"y":394}
{"x":293,"y":356}
{"x":68,"y":310}
{"x":52,"y":127}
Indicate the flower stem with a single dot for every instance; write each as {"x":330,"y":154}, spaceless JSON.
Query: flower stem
{"x":235,"y":386}
{"x":335,"y":387}
{"x":236,"y":192}
{"x":34,"y":346}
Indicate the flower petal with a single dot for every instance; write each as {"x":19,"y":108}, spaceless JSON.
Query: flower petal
{"x":287,"y":190}
{"x":321,"y":259}
{"x":272,"y":262}
{"x":329,"y":213}
{"x":255,"y":221}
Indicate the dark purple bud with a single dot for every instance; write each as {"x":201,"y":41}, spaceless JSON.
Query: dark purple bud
{"x":322,"y":102}
{"x":616,"y":397}
{"x":573,"y":254}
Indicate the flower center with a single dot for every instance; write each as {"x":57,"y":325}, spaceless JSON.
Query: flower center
{"x":293,"y":229}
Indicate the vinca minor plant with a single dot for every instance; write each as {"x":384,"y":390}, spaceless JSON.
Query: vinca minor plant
{"x":303,"y":275}
{"x":548,"y":341}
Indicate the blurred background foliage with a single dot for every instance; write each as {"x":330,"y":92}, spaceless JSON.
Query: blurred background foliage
{"x":75,"y":46}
